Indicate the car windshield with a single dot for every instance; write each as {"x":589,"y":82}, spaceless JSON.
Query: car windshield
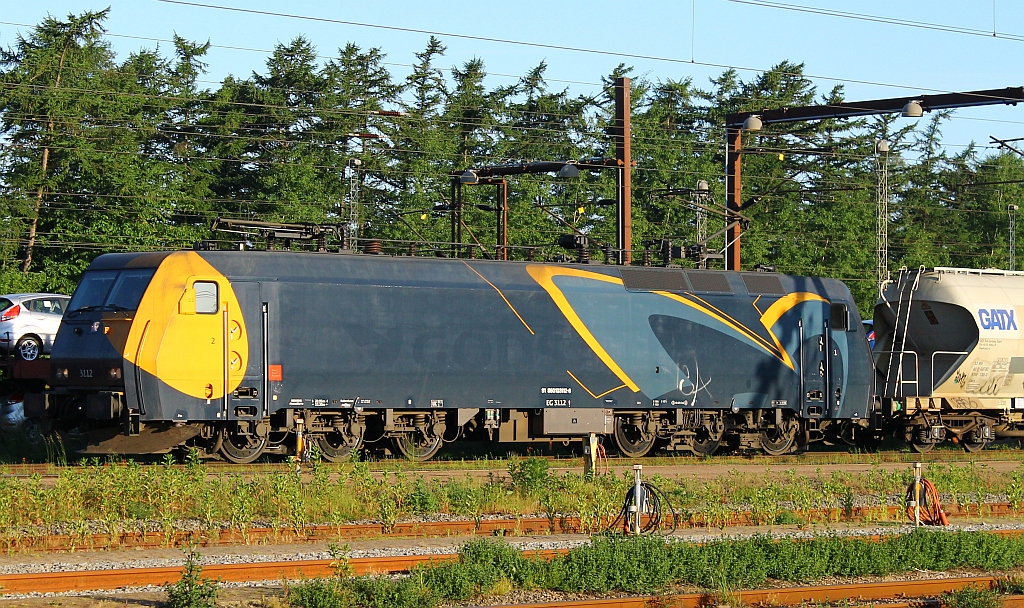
{"x":5,"y":304}
{"x":111,"y":289}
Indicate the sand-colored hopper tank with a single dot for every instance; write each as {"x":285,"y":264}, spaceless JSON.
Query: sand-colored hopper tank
{"x":949,"y":342}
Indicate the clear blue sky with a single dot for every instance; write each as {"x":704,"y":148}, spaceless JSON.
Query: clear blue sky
{"x":721,"y":32}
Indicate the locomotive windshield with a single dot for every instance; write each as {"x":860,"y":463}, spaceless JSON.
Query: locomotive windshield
{"x":110,"y":290}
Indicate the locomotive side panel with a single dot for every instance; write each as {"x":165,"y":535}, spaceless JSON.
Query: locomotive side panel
{"x":331,"y":344}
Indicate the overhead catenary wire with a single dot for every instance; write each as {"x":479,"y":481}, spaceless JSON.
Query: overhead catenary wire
{"x":954,"y":29}
{"x":618,"y":54}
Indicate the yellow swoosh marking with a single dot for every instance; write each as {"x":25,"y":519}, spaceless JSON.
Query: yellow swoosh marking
{"x":516,"y":312}
{"x":580,"y":382}
{"x":768,"y":320}
{"x":781,"y":307}
{"x":544,"y":275}
{"x":718,"y":314}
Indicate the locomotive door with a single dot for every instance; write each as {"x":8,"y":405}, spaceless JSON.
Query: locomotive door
{"x":822,"y":374}
{"x":815,"y":373}
{"x":247,"y":402}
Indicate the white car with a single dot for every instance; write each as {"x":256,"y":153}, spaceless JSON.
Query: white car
{"x":29,"y":322}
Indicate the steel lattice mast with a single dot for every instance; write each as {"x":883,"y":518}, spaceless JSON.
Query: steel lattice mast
{"x":882,"y":213}
{"x":1012,"y":211}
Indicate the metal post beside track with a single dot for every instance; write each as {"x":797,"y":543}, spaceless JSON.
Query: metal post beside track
{"x":637,"y":496}
{"x":917,"y":495}
{"x":590,"y":456}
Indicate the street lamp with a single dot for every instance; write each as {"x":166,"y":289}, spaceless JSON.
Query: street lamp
{"x":913,"y":109}
{"x":569,"y":171}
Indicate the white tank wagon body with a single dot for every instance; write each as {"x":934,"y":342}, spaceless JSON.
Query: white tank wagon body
{"x":949,"y":355}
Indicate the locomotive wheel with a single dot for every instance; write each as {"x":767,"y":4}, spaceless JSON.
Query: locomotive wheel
{"x":709,"y":437}
{"x":241,"y":449}
{"x":630,"y":440}
{"x":416,"y":446}
{"x":704,"y":445}
{"x":779,"y":440}
{"x":336,"y":445}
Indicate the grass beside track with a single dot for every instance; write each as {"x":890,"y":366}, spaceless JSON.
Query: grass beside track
{"x":112,"y":497}
{"x":650,"y":565}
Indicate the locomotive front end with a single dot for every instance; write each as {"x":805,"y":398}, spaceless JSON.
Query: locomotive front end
{"x":149,"y":347}
{"x":89,"y":375}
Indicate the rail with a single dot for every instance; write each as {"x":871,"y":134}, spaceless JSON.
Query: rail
{"x":504,"y":527}
{"x":105,"y":580}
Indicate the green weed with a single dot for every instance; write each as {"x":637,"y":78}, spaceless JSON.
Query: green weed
{"x":192,"y":590}
{"x":972,"y":597}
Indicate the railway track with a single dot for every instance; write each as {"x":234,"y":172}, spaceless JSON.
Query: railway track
{"x":106,"y":580}
{"x":917,"y":594}
{"x":506,"y":527}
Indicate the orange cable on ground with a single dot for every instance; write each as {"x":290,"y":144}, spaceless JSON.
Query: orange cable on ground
{"x":928,"y":499}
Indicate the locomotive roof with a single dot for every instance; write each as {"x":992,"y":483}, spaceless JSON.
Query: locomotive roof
{"x":436,"y":272}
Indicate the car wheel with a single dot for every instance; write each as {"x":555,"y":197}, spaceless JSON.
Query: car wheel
{"x":29,"y":348}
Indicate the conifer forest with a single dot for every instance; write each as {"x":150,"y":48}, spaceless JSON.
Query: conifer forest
{"x":104,"y":153}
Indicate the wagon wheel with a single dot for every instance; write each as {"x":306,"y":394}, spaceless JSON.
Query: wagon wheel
{"x":921,"y":447}
{"x":921,"y":441}
{"x":630,"y":440}
{"x":779,"y":440}
{"x":972,"y":441}
{"x":417,"y":446}
{"x":241,"y":449}
{"x":336,"y":445}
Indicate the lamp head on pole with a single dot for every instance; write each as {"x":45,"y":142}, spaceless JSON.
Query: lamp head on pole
{"x":913,"y":109}
{"x":569,"y":171}
{"x":752,"y":123}
{"x":881,"y":146}
{"x":702,"y":187}
{"x":469,"y":177}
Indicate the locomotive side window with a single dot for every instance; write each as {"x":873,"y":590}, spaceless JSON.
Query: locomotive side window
{"x":127,"y":291}
{"x":206,"y":297}
{"x":839,"y":315}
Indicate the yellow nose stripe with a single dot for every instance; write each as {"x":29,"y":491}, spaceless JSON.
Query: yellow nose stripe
{"x":188,"y":351}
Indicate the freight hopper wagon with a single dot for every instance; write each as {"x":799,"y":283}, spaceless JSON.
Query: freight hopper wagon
{"x":240,"y":353}
{"x":950,"y":356}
